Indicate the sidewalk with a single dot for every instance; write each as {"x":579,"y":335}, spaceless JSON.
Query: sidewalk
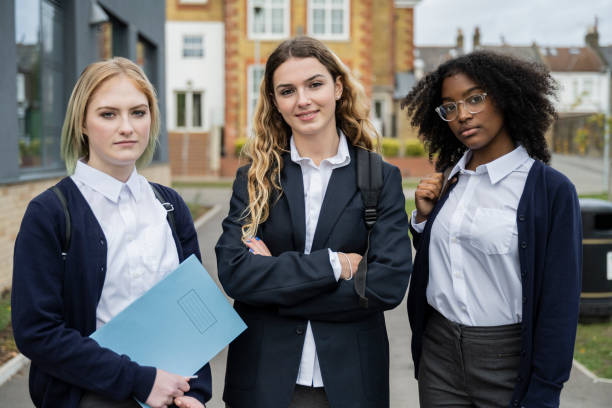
{"x":580,"y":391}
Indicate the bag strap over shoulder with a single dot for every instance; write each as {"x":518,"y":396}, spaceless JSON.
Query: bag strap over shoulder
{"x":370,"y":183}
{"x":168,"y":206}
{"x":62,"y":198}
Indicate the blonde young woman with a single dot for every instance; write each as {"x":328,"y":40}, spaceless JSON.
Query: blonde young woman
{"x":121,"y":245}
{"x":294,"y":237}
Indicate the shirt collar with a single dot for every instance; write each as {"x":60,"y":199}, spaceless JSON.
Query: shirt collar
{"x":498,"y":168}
{"x":105,"y":184}
{"x":341,"y":158}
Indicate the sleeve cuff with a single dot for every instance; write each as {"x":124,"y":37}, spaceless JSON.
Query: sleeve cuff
{"x":335,"y":264}
{"x":417,"y":227}
{"x":144,"y":383}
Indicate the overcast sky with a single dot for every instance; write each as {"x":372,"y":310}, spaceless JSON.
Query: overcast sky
{"x":519,"y":22}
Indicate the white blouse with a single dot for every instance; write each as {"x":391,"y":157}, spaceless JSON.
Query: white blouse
{"x":474,"y":271}
{"x":140,"y":248}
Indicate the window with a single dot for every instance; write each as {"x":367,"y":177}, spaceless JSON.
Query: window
{"x":193,"y":1}
{"x":329,"y":19}
{"x":193,"y":46}
{"x":39,"y":38}
{"x":268,"y":19}
{"x":256,"y":73}
{"x":189,"y":109}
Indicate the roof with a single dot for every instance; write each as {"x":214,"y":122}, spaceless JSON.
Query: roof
{"x":433,"y":56}
{"x":572,"y":59}
{"x":607,"y":54}
{"x":404,"y":81}
{"x":528,"y":53}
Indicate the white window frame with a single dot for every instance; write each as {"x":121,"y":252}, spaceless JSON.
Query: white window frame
{"x":328,"y":35}
{"x":267,"y":34}
{"x":189,"y":109}
{"x":252,"y":94}
{"x":192,"y":47}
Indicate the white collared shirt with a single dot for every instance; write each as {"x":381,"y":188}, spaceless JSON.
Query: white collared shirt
{"x":140,"y":247}
{"x":474,"y":270}
{"x":316,"y":178}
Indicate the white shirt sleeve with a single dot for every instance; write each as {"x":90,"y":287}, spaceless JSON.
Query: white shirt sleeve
{"x":417,"y":227}
{"x":335,"y":263}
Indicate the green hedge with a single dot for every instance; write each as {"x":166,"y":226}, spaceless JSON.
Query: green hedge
{"x":390,"y":147}
{"x":240,"y":142}
{"x":414,"y":149}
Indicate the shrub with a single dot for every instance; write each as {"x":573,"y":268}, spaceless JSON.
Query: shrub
{"x":414,"y":149}
{"x":390,"y":147}
{"x":240,"y":142}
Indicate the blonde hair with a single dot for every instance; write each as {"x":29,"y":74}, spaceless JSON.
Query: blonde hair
{"x":272,"y":133}
{"x":74,"y":143}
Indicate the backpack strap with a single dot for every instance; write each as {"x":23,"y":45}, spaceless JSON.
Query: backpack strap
{"x":62,"y":198}
{"x":370,"y":183}
{"x":67,"y":236}
{"x":168,"y":206}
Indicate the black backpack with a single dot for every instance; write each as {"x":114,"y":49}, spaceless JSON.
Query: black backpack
{"x":370,"y":183}
{"x":62,"y":198}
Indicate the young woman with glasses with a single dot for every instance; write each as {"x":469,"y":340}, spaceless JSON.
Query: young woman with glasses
{"x":494,"y":297}
{"x":294,"y":236}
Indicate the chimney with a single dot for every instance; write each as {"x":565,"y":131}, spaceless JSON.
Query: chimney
{"x":459,"y":45}
{"x":476,"y":38}
{"x":592,"y":36}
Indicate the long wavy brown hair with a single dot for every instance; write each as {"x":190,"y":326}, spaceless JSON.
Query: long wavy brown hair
{"x":271,"y":134}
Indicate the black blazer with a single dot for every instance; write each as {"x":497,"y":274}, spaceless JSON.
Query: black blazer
{"x":277,"y":295}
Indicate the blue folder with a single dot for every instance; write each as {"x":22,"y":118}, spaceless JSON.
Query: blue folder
{"x":179,"y":325}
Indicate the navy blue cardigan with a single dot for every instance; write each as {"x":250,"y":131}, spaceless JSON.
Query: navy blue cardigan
{"x":550,"y":253}
{"x":54,"y":303}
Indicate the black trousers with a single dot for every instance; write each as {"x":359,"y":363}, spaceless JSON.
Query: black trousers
{"x":93,"y":400}
{"x":466,"y":366}
{"x":307,"y":397}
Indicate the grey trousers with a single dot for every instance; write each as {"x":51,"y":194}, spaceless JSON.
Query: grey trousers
{"x":307,"y":397}
{"x":93,"y":400}
{"x":463,"y":366}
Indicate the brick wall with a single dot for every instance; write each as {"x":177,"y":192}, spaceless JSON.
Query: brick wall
{"x":14,"y":199}
{"x":189,"y":154}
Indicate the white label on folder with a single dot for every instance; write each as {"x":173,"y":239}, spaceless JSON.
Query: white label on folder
{"x":609,"y":266}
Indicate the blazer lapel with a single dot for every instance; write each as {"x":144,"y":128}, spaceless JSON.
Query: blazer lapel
{"x":292,"y":184}
{"x":341,"y":188}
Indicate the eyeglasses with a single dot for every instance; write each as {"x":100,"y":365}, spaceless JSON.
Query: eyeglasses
{"x":449,"y":111}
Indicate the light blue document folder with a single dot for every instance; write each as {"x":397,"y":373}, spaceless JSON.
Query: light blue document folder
{"x":179,"y":325}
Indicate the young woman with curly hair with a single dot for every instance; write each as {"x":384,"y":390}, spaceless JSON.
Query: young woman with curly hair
{"x":493,"y":301}
{"x":294,"y":236}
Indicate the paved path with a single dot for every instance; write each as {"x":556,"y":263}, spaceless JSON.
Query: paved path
{"x":580,"y":391}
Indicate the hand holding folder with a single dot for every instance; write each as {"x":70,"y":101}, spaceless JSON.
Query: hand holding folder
{"x":179,"y":325}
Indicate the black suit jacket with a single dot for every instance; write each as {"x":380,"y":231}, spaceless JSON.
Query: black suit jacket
{"x":278,"y":295}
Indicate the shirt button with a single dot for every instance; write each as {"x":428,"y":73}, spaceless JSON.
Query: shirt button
{"x":519,"y":379}
{"x":102,"y":242}
{"x":523,"y":244}
{"x":521,"y":217}
{"x":299,"y":331}
{"x":524,"y":299}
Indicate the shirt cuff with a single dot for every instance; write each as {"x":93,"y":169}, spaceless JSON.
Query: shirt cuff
{"x":335,"y":264}
{"x":417,"y":227}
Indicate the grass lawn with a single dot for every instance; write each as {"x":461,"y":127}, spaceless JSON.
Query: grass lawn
{"x":197,"y":210}
{"x":602,"y":196}
{"x":203,"y":184}
{"x":8,"y":349}
{"x":594,"y":347}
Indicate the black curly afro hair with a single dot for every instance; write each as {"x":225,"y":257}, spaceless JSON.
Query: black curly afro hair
{"x":521,"y":91}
